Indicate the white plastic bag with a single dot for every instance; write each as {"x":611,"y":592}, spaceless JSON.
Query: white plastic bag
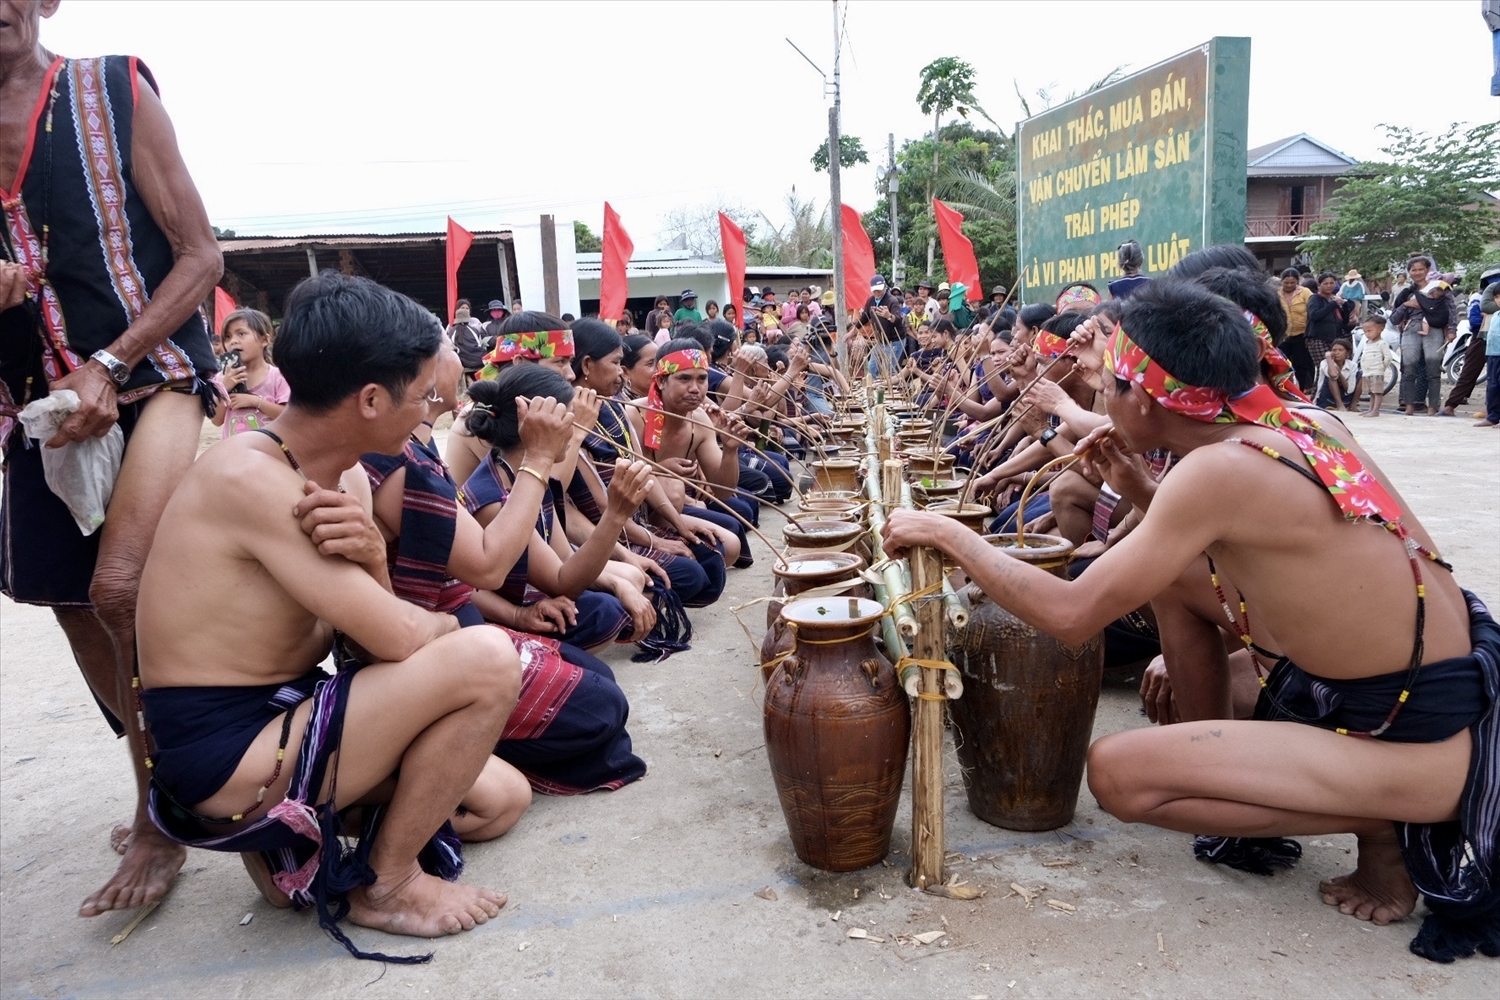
{"x":81,"y":473}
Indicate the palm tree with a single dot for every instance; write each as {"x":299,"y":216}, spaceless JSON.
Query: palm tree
{"x":947,"y":85}
{"x":1044,"y":94}
{"x":806,"y":240}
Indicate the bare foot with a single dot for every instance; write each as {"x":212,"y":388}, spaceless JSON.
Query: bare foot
{"x":260,"y":874}
{"x":151,"y":862}
{"x":1485,"y":423}
{"x":422,"y":905}
{"x":1379,"y":889}
{"x":119,"y":839}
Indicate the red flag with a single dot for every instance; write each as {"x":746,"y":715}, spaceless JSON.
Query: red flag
{"x":459,"y":241}
{"x":223,"y":306}
{"x":618,"y":249}
{"x":859,"y":261}
{"x":958,"y":252}
{"x":732,"y":239}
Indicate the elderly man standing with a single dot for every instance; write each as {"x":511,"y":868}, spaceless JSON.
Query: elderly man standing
{"x":105,"y":261}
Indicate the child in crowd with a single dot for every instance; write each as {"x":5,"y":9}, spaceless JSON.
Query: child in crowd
{"x":254,"y":388}
{"x":1336,"y":377}
{"x":1377,"y":362}
{"x":663,"y":326}
{"x":1433,"y":290}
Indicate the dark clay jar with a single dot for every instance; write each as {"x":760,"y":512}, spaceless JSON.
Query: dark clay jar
{"x":1024,"y":722}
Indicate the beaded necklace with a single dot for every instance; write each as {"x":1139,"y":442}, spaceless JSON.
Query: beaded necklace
{"x":1241,"y":623}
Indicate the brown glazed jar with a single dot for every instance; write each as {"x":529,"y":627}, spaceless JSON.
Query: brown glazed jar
{"x":836,"y":475}
{"x":837,"y":726}
{"x":1024,"y":722}
{"x":796,"y":572}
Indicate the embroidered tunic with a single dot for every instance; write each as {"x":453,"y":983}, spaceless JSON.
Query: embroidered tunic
{"x":74,"y":203}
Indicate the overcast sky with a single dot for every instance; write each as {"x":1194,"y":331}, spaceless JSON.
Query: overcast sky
{"x":316,"y":117}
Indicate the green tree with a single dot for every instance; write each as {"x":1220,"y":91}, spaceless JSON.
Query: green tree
{"x":1429,"y":197}
{"x":805,"y":240}
{"x":947,"y":85}
{"x":585,"y":240}
{"x":851,"y":151}
{"x":223,"y":234}
{"x":976,"y":175}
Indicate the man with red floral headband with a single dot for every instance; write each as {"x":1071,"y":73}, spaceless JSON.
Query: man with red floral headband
{"x":1397,"y":737}
{"x":678,"y":428}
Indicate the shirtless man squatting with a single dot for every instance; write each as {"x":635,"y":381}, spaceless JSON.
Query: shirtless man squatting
{"x":1423,"y":795}
{"x":221,"y":694}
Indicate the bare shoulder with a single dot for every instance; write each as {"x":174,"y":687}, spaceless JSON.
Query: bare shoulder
{"x":1228,"y":485}
{"x":356,"y":483}
{"x":243,"y":479}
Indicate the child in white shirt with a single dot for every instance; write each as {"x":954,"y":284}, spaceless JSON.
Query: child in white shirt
{"x":1377,"y":362}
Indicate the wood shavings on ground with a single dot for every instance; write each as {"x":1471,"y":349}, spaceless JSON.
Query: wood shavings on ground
{"x":1060,"y":863}
{"x":954,"y":891}
{"x":1058,"y":904}
{"x":860,"y":934}
{"x":1029,"y":895}
{"x":146,"y":911}
{"x":928,"y":937}
{"x":767,"y":893}
{"x":246,"y":919}
{"x":954,"y":888}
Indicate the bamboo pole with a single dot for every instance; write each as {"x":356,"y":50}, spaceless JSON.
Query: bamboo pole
{"x":927,"y":728}
{"x":895,"y":647}
{"x":890,"y":569}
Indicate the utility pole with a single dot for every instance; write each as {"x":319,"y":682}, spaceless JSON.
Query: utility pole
{"x":836,"y":207}
{"x":893,"y":184}
{"x":835,"y":196}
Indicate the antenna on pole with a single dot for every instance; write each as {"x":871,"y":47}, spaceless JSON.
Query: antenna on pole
{"x":836,"y":206}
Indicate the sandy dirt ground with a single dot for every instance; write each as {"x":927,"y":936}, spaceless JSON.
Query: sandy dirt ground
{"x":685,"y":884}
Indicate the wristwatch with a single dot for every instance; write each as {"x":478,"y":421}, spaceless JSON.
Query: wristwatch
{"x":1048,"y":435}
{"x":119,"y":371}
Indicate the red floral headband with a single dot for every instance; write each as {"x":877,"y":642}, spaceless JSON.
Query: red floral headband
{"x":655,"y":418}
{"x":1353,"y":488}
{"x":1049,"y":345}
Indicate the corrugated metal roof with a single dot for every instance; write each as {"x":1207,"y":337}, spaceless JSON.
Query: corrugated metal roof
{"x":589,"y":266}
{"x":346,"y":240}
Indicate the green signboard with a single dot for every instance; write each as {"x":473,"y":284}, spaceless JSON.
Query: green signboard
{"x":1158,"y":158}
